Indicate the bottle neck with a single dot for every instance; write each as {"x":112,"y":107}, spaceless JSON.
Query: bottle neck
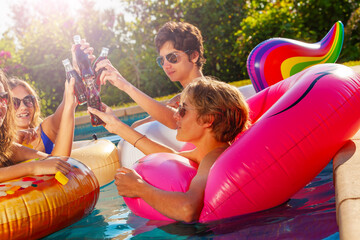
{"x":68,"y":68}
{"x":90,"y":81}
{"x":77,"y":39}
{"x":104,"y":52}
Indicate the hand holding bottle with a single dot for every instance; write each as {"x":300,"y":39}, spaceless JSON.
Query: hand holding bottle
{"x":69,"y":94}
{"x":111,"y":74}
{"x":107,"y":116}
{"x":79,"y":88}
{"x":103,"y":55}
{"x":88,"y":76}
{"x":85,"y":47}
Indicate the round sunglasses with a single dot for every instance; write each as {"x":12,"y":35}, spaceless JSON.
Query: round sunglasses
{"x":28,"y":101}
{"x":4,"y":98}
{"x":172,"y":57}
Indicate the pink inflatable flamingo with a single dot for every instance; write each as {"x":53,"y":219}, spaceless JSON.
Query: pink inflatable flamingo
{"x":278,"y":58}
{"x":299,"y":125}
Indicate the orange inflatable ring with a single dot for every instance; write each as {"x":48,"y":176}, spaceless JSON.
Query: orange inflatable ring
{"x":35,"y":206}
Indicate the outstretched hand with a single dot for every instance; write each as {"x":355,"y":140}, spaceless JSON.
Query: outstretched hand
{"x":85,"y":46}
{"x":111,"y":74}
{"x":107,"y":115}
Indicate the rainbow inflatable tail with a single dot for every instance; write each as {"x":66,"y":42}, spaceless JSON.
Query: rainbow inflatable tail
{"x":278,"y":58}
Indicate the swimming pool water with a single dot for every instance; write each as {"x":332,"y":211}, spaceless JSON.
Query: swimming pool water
{"x":86,"y":131}
{"x":310,"y":214}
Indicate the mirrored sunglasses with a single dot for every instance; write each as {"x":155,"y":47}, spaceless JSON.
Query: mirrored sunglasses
{"x":170,"y":57}
{"x":4,"y":98}
{"x":28,"y":101}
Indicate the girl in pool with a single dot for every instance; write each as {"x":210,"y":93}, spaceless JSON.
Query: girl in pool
{"x":32,"y":130}
{"x":210,"y":115}
{"x":12,"y":154}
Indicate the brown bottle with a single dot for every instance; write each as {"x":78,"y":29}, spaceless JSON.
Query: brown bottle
{"x":103,"y":55}
{"x":79,"y":88}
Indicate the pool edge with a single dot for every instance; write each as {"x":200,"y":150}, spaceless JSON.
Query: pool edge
{"x":346,"y":170}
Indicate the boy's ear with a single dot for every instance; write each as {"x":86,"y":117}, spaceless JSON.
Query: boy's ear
{"x":194,"y":56}
{"x":208,"y":120}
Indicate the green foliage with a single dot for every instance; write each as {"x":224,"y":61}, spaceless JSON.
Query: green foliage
{"x":351,"y":49}
{"x":304,"y":20}
{"x":264,"y":21}
{"x":45,"y":39}
{"x":43,"y":30}
{"x":218,"y":22}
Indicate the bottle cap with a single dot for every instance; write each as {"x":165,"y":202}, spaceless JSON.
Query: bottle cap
{"x":104,"y":51}
{"x":77,"y":39}
{"x":65,"y":61}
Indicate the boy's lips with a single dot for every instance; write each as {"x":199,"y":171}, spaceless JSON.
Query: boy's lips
{"x":170,"y":72}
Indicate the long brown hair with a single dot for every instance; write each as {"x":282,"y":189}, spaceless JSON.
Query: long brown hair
{"x":7,"y":129}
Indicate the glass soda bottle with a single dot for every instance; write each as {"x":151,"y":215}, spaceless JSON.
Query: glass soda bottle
{"x":103,"y":55}
{"x":79,"y":88}
{"x":82,"y":59}
{"x":94,"y":101}
{"x":88,"y":76}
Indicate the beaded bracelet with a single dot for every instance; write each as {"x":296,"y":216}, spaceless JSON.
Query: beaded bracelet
{"x":139,"y":139}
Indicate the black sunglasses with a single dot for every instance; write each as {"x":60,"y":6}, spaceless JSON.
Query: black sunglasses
{"x":28,"y":101}
{"x":182,"y":110}
{"x":170,"y":57}
{"x":4,"y":98}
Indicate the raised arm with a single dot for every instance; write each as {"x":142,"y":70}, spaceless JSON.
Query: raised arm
{"x":176,"y":205}
{"x":116,"y":126}
{"x":173,"y":102}
{"x":65,"y":134}
{"x":157,"y":110}
{"x":51,"y":124}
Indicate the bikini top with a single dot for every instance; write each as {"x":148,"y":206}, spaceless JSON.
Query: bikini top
{"x":48,"y":144}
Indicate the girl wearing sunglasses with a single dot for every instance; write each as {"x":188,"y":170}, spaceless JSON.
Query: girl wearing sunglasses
{"x":181,"y":56}
{"x":12,"y":154}
{"x":210,"y":115}
{"x":32,"y":130}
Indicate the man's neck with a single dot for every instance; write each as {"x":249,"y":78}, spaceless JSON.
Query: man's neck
{"x":196,"y":74}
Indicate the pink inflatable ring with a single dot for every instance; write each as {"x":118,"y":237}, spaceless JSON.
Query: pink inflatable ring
{"x":299,"y":125}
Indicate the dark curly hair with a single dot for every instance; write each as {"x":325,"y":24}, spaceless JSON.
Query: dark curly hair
{"x":184,"y":36}
{"x":220,"y":101}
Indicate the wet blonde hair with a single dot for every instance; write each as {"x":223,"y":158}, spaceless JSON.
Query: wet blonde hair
{"x":7,"y":129}
{"x":15,"y":82}
{"x":223,"y":102}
